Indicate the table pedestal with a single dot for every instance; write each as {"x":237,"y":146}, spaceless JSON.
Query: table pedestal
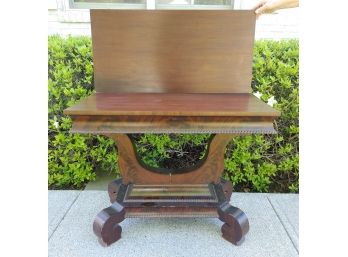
{"x":146,"y":192}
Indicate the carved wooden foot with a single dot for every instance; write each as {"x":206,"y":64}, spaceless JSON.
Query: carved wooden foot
{"x":236,"y":223}
{"x":106,"y":226}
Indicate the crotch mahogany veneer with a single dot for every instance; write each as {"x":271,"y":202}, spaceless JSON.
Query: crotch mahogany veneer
{"x":171,"y":71}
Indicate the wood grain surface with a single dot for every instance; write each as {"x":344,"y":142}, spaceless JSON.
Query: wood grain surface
{"x":94,"y":124}
{"x":172,"y":104}
{"x":186,"y":51}
{"x":208,"y":171}
{"x":181,"y":71}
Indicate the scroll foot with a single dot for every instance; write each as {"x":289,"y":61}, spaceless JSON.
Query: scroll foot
{"x":106,"y":226}
{"x":236,"y":223}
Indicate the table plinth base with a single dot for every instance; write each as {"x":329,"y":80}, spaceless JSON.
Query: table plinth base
{"x":195,"y":200}
{"x":146,"y":192}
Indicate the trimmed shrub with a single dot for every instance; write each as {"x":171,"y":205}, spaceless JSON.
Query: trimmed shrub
{"x":257,"y":163}
{"x":72,"y":158}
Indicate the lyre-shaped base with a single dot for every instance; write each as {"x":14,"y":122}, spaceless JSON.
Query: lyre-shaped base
{"x":142,"y":192}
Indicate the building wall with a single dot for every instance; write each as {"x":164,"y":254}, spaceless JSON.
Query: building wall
{"x":65,"y":21}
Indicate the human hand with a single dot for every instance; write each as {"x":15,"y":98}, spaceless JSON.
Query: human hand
{"x":265,"y":6}
{"x":269,"y":6}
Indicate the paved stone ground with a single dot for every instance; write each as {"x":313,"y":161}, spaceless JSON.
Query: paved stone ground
{"x":273,"y":229}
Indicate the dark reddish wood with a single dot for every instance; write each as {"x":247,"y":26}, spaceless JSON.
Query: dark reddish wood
{"x":171,"y":212}
{"x":171,"y":200}
{"x":236,"y":223}
{"x":173,"y":50}
{"x":172,"y":113}
{"x":134,"y":172}
{"x":106,"y":226}
{"x":171,"y":124}
{"x":172,"y":72}
{"x":155,"y":104}
{"x":113,"y":188}
{"x":169,"y":197}
{"x":227,"y":187}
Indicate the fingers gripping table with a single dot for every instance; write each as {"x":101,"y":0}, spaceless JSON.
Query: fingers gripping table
{"x":171,"y":72}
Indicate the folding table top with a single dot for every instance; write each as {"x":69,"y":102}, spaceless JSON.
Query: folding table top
{"x":184,"y":71}
{"x":172,"y":104}
{"x":181,"y":51}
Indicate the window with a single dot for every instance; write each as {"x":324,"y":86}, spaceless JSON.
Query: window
{"x":152,"y":4}
{"x":194,"y":4}
{"x":108,"y":4}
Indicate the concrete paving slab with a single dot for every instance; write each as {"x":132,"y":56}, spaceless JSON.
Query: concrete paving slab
{"x":59,"y":202}
{"x":171,"y":237}
{"x":286,"y":207}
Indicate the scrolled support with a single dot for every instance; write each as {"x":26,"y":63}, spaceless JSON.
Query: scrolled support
{"x":133,"y":170}
{"x":236,"y":223}
{"x":106,"y":224}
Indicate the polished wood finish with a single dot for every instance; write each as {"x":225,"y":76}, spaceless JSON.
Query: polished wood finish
{"x":156,"y":104}
{"x":172,"y":72}
{"x":105,"y":225}
{"x":175,"y":51}
{"x":183,"y":200}
{"x":94,"y":124}
{"x":226,"y":187}
{"x":103,"y":113}
{"x":207,"y":171}
{"x":236,"y":223}
{"x":113,"y":188}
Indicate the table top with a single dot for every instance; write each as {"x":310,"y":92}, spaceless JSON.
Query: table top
{"x":172,"y":104}
{"x":173,"y":51}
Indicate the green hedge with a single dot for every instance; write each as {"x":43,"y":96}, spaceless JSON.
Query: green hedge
{"x":257,"y":163}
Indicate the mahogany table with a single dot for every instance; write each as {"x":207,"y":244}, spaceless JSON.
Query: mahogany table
{"x":171,"y":72}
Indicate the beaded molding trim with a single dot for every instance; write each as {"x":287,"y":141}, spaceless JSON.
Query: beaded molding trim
{"x":183,"y":131}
